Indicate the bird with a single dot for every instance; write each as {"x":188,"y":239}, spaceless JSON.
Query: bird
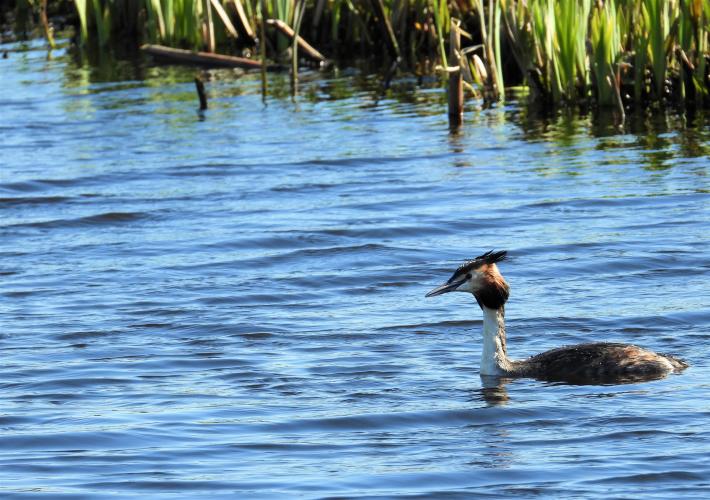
{"x":593,"y":363}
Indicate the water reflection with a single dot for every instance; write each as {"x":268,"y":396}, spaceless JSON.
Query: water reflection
{"x":493,"y":390}
{"x":497,"y":448}
{"x":415,"y":95}
{"x":565,"y":127}
{"x":457,"y":147}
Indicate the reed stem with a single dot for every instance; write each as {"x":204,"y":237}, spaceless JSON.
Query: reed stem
{"x":45,"y":24}
{"x":262,"y":49}
{"x":386,"y":29}
{"x":307,"y":48}
{"x":455,"y":80}
{"x":298,"y":18}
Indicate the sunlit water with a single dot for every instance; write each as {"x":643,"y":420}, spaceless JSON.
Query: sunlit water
{"x":232,"y":305}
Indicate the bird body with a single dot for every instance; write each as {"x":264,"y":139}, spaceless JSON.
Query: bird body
{"x":600,"y":362}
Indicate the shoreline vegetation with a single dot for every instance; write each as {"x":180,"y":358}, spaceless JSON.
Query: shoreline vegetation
{"x":616,"y":54}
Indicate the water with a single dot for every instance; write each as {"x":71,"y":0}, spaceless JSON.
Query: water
{"x":232,"y":305}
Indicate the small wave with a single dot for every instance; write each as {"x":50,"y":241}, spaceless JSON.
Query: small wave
{"x":366,"y":160}
{"x":598,"y":438}
{"x":609,"y":201}
{"x":419,"y":419}
{"x":51,"y":182}
{"x":295,"y":188}
{"x":276,"y":259}
{"x":391,"y":232}
{"x":32,"y":200}
{"x":434,"y":326}
{"x":653,"y":477}
{"x":105,"y":219}
{"x":37,"y":185}
{"x":76,"y":383}
{"x":66,"y":441}
{"x":179,"y":487}
{"x":84,"y":335}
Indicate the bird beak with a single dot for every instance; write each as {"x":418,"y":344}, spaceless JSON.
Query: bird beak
{"x":445,"y":288}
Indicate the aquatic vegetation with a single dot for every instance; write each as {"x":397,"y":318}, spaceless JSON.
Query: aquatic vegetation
{"x":609,"y":53}
{"x":572,"y":51}
{"x":605,"y":55}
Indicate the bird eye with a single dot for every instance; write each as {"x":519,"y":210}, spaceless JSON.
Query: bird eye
{"x":468,"y":276}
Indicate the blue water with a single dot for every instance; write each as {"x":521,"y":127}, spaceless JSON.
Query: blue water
{"x":230,"y":305}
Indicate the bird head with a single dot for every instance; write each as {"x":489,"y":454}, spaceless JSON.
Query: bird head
{"x":480,"y":277}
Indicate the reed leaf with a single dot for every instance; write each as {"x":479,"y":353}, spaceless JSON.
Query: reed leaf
{"x":102,"y":21}
{"x":168,"y":18}
{"x":492,"y":75}
{"x":494,"y":10}
{"x":517,"y":21}
{"x":657,"y":26}
{"x":222,"y":14}
{"x":156,"y":24}
{"x":543,"y":23}
{"x":81,"y":10}
{"x":605,"y":47}
{"x":441,"y":20}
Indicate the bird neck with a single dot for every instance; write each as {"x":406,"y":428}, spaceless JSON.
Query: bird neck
{"x":494,"y":356}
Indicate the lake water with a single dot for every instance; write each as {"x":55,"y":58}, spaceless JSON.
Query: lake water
{"x":232,"y":305}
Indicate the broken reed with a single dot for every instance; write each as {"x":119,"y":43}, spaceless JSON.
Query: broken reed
{"x":609,"y":52}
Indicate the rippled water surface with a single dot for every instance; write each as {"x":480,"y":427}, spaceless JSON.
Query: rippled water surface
{"x":231,"y":305}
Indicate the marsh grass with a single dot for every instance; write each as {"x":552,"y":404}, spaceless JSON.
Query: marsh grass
{"x":607,"y":53}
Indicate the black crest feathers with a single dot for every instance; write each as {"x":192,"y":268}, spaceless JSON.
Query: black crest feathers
{"x":490,"y":257}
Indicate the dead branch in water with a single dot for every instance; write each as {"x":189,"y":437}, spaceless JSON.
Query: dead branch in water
{"x":201,"y":93}
{"x":200,"y":58}
{"x":455,"y":80}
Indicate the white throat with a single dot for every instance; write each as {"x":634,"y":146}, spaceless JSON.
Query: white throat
{"x":494,"y":360}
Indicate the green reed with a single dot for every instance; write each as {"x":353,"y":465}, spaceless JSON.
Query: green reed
{"x":487,"y":71}
{"x":656,"y":18}
{"x":693,"y":20}
{"x":569,"y":55}
{"x":605,"y":53}
{"x":442,"y":20}
{"x":608,"y":52}
{"x":653,"y":46}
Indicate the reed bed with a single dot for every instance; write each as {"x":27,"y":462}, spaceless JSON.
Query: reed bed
{"x":608,"y":53}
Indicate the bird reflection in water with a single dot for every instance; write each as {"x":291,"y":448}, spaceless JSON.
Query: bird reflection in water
{"x":493,"y":390}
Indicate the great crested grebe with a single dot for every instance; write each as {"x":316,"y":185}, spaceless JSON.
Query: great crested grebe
{"x":583,"y":363}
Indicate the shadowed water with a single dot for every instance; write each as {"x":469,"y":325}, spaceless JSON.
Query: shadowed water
{"x":232,"y":304}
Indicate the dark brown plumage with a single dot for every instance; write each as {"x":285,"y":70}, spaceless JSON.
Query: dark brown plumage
{"x":600,"y":362}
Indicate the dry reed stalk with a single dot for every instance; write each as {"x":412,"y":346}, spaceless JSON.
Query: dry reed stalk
{"x":231,"y":30}
{"x":243,"y":19}
{"x":618,"y":102}
{"x":490,"y":41}
{"x":208,"y":26}
{"x":287,"y":31}
{"x":45,"y":23}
